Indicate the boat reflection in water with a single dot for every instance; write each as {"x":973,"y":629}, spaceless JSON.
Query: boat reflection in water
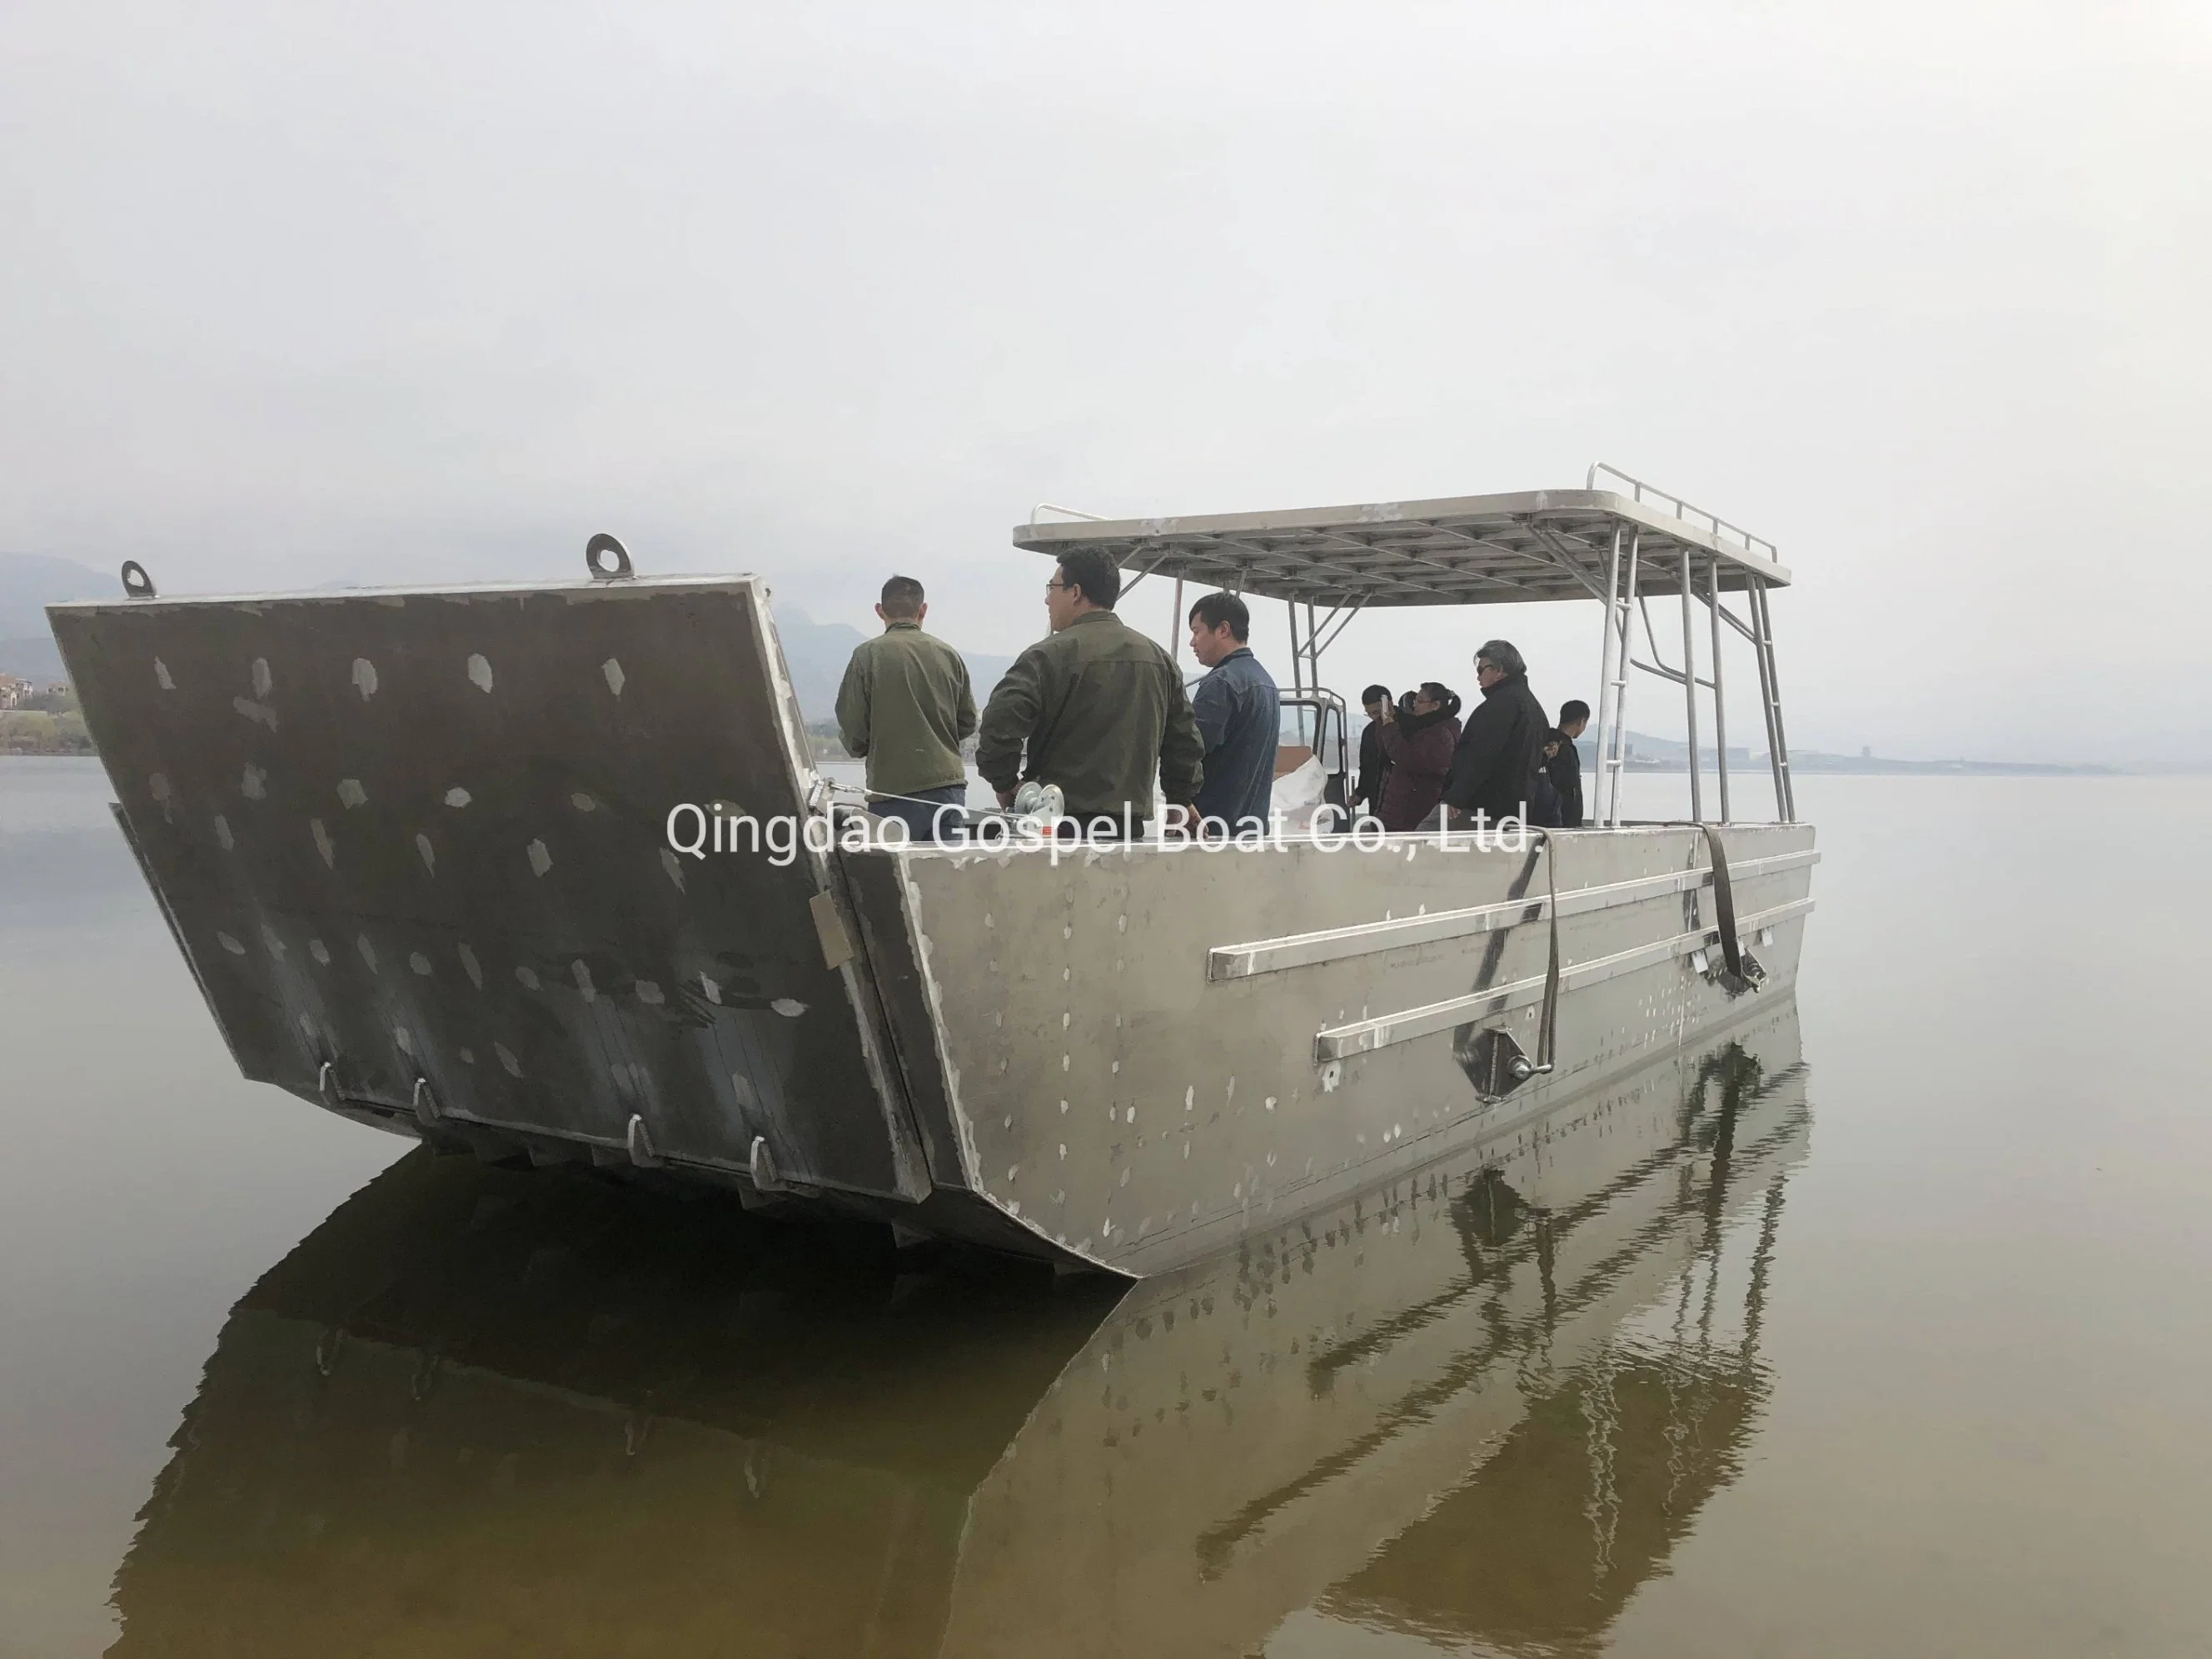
{"x":482,"y":1411}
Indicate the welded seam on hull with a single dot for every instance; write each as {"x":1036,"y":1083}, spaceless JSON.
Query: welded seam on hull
{"x":909,"y":1165}
{"x":1270,"y":955}
{"x":962,"y":1127}
{"x":963,"y":1132}
{"x":1366,"y":1036}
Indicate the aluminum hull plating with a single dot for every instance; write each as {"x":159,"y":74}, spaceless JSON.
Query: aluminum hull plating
{"x":413,"y":845}
{"x":1142,"y":1054}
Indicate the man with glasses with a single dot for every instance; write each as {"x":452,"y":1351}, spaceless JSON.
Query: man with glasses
{"x":1095,"y":707}
{"x":1502,"y":744}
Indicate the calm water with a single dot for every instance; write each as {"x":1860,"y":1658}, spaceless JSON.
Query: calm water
{"x":1878,"y":1329}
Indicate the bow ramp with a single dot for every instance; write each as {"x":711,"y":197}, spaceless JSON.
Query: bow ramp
{"x":413,"y":845}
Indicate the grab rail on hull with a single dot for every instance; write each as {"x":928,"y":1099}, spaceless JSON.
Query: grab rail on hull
{"x":1494,"y":1061}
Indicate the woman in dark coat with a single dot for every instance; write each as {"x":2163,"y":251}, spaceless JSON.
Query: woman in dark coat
{"x":1419,"y":737}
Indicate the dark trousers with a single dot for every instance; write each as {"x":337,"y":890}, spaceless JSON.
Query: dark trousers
{"x":922,"y":819}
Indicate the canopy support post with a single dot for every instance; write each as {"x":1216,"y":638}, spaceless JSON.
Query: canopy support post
{"x":1176,"y":626}
{"x":1720,"y":699}
{"x":1608,"y":666}
{"x":1614,"y":762}
{"x":1757,"y":634}
{"x":1770,"y":681}
{"x":1690,"y":689}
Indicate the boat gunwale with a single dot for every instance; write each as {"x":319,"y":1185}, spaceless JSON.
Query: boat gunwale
{"x":1231,"y":962}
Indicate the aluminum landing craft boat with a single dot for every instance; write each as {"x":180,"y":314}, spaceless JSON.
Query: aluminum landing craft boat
{"x":414,"y":845}
{"x":481,"y":1410}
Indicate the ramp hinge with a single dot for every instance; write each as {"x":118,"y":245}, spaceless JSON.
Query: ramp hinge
{"x":764,"y":1171}
{"x":836,"y":942}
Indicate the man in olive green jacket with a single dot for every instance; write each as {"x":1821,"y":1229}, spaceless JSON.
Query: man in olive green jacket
{"x":1099,"y":707}
{"x":904,"y":707}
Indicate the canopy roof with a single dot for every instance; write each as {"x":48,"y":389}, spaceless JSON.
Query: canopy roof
{"x":1468,"y":550}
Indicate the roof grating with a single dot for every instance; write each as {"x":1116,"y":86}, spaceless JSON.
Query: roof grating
{"x":1470,"y":549}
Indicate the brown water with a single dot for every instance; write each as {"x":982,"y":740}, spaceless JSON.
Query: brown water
{"x":1878,"y":1328}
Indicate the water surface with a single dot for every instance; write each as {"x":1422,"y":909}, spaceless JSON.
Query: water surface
{"x":1878,"y":1328}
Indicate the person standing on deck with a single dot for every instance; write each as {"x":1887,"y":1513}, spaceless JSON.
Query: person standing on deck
{"x":904,"y":707}
{"x":1095,"y":707}
{"x":1374,"y":765}
{"x":1417,"y":740}
{"x":1562,"y":762}
{"x":1237,"y":714}
{"x":1503,"y":743}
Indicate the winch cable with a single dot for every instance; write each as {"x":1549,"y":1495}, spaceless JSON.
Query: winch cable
{"x":856,"y":795}
{"x":1724,"y":910}
{"x":1521,"y":1067}
{"x":1547,"y":1028}
{"x":863,"y":796}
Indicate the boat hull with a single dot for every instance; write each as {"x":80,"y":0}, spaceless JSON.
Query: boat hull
{"x":1091,"y":1052}
{"x":422,"y":851}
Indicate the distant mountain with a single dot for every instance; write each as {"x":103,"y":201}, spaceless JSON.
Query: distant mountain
{"x":1806,"y":761}
{"x":817,"y":653}
{"x":1649,"y":754}
{"x":34,"y":659}
{"x":29,"y":582}
{"x":1643,"y":749}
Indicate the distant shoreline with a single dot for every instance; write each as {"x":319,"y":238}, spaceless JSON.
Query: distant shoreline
{"x":45,"y":735}
{"x":1844,"y":766}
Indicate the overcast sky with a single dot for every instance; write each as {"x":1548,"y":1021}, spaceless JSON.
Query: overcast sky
{"x":295,"y":294}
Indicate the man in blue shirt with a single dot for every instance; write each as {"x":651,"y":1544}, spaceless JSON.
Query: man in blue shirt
{"x":1237,"y":714}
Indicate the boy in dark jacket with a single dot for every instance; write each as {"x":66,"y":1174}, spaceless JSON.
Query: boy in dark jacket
{"x":1374,"y":765}
{"x":1563,"y":763}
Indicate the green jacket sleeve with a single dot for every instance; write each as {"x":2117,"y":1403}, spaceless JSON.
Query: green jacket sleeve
{"x":852,"y":707}
{"x":965,"y":722}
{"x":1008,"y":719}
{"x":1182,"y":750}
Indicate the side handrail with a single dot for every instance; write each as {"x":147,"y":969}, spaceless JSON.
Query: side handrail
{"x":1720,"y":528}
{"x":1066,"y":512}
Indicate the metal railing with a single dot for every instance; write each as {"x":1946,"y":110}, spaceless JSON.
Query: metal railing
{"x":1066,"y":512}
{"x":1722,"y":528}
